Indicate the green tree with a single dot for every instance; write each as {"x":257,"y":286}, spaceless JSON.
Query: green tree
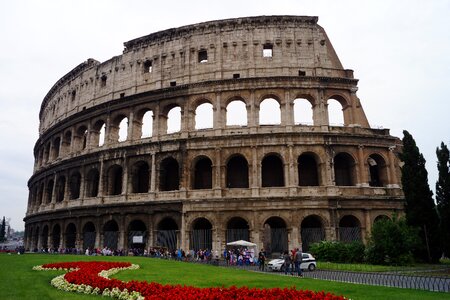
{"x":420,"y":208}
{"x":443,"y":196}
{"x":3,"y":230}
{"x":391,"y":242}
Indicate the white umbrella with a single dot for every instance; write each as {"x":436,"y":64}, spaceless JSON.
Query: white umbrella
{"x":241,"y":243}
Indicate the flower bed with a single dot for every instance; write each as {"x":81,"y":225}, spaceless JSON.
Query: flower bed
{"x":92,"y":278}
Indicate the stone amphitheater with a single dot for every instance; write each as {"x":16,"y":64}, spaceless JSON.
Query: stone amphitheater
{"x":209,"y":133}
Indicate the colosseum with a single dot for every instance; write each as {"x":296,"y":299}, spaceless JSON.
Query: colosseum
{"x":208,"y":133}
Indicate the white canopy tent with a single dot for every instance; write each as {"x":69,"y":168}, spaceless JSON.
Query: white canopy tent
{"x":241,"y":243}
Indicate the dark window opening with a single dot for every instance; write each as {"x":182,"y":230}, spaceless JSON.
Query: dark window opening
{"x":236,"y":75}
{"x":140,"y":177}
{"x":71,"y":235}
{"x":74,"y":185}
{"x":307,"y":171}
{"x":377,"y":170}
{"x":93,"y":179}
{"x":103,"y":81}
{"x":272,"y":171}
{"x":49,"y":191}
{"x":169,"y":175}
{"x":73,"y":95}
{"x":237,"y":172}
{"x":343,"y":169}
{"x":173,"y":83}
{"x":203,"y":174}
{"x":275,"y":236}
{"x":301,"y":73}
{"x":202,"y":56}
{"x":122,"y":95}
{"x":56,"y":236}
{"x":148,"y":66}
{"x":349,"y":229}
{"x":268,"y":50}
{"x":110,"y":235}
{"x":60,"y":188}
{"x":115,"y":180}
{"x":237,"y":229}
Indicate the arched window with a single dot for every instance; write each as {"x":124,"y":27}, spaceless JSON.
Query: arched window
{"x":49,"y":191}
{"x":67,"y":141}
{"x":312,"y":231}
{"x":56,"y":237}
{"x":344,"y":166}
{"x":237,"y":172}
{"x":169,"y":175}
{"x":44,"y":237}
{"x":237,"y":229}
{"x":377,"y":170}
{"x":275,"y":237}
{"x":236,"y":113}
{"x":56,"y":146}
{"x":92,"y":182}
{"x":272,"y":171}
{"x":204,"y":116}
{"x":349,"y":229}
{"x":137,"y":235}
{"x":303,"y":113}
{"x":60,"y":188}
{"x":123,"y":130}
{"x":203,"y":174}
{"x":98,"y":133}
{"x":201,"y":235}
{"x":166,"y":236}
{"x":71,"y":236}
{"x":74,"y":185}
{"x":114,"y":181}
{"x":140,"y":176}
{"x":335,"y":113}
{"x":147,"y":124}
{"x":89,"y":236}
{"x":308,"y":174}
{"x":80,"y":138}
{"x":110,"y":235}
{"x":174,"y":120}
{"x":269,"y":112}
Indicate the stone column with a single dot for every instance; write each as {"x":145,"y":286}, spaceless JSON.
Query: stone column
{"x":363,"y":178}
{"x":153,"y":174}
{"x":218,"y":114}
{"x":393,"y":180}
{"x":255,"y":173}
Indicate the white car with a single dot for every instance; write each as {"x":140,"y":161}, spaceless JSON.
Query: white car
{"x":308,"y":262}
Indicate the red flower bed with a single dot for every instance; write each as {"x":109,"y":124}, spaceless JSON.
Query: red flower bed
{"x":87,"y":273}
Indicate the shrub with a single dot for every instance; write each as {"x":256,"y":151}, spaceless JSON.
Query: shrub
{"x":338,"y":251}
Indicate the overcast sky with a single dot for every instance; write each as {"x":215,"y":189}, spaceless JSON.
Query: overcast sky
{"x":399,"y":50}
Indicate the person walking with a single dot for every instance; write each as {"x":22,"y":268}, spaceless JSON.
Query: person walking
{"x":287,"y":262}
{"x":298,"y":262}
{"x":261,"y":259}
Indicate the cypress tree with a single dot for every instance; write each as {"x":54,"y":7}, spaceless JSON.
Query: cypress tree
{"x":443,"y":196}
{"x":3,"y":230}
{"x":420,"y":208}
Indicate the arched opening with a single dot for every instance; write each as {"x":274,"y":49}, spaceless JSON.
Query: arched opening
{"x":60,"y":188}
{"x":81,"y":138}
{"x":40,"y":195}
{"x":174,"y":120}
{"x":92,"y":182}
{"x":56,"y":146}
{"x":169,"y":175}
{"x":98,"y":133}
{"x":303,"y":113}
{"x":272,"y":171}
{"x":377,"y":170}
{"x":335,"y":113}
{"x":123,"y":130}
{"x":237,"y":229}
{"x":47,"y":153}
{"x":312,"y":231}
{"x":236,"y":113}
{"x":344,"y":169}
{"x":203,"y":174}
{"x":114,"y":181}
{"x":269,"y":112}
{"x":204,"y":116}
{"x":49,"y":191}
{"x":381,"y":218}
{"x":89,"y":236}
{"x":137,"y":236}
{"x":201,"y":235}
{"x":308,"y":174}
{"x":71,"y":236}
{"x":349,"y":229}
{"x":44,"y":238}
{"x":67,"y":141}
{"x":147,"y":124}
{"x":166,"y":236}
{"x":237,"y":172}
{"x":74,"y":185}
{"x":56,"y":237}
{"x":275,"y":238}
{"x":110,"y":235}
{"x":140,"y":177}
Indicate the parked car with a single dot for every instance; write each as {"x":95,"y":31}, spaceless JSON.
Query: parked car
{"x":308,"y":263}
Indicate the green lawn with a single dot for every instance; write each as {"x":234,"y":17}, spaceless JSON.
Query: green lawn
{"x":19,"y":281}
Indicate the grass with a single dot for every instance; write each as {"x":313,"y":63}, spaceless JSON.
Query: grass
{"x":379,"y":268}
{"x":19,"y":281}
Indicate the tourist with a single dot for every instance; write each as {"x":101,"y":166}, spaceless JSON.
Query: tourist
{"x":262,"y":259}
{"x":287,"y":262}
{"x":298,"y":262}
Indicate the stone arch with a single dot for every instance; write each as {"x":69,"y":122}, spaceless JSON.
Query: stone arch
{"x":336,"y":105}
{"x":377,"y":170}
{"x":40,"y":194}
{"x":169,"y":174}
{"x":303,"y":111}
{"x":56,"y":237}
{"x":167,"y":233}
{"x":98,"y":133}
{"x":56,"y":147}
{"x":114,"y":180}
{"x":60,"y":188}
{"x":35,"y":238}
{"x":204,"y":115}
{"x":81,"y":138}
{"x":380,"y":218}
{"x":44,"y":237}
{"x":236,"y":112}
{"x":201,"y":234}
{"x":269,"y":111}
{"x":67,"y":141}
{"x":237,"y":229}
{"x":275,"y":238}
{"x":74,"y":185}
{"x":71,"y":236}
{"x":47,"y":152}
{"x":272,"y":171}
{"x":146,"y":120}
{"x":89,"y":235}
{"x":174,"y":118}
{"x":92,"y":182}
{"x":344,"y":169}
{"x":202,"y":173}
{"x":137,"y":235}
{"x":349,"y":229}
{"x":140,"y":177}
{"x":49,"y":191}
{"x":311,"y":231}
{"x":110,"y":234}
{"x":308,"y":170}
{"x":237,"y":172}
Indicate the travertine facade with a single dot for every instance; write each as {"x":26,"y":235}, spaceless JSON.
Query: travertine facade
{"x":108,"y":173}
